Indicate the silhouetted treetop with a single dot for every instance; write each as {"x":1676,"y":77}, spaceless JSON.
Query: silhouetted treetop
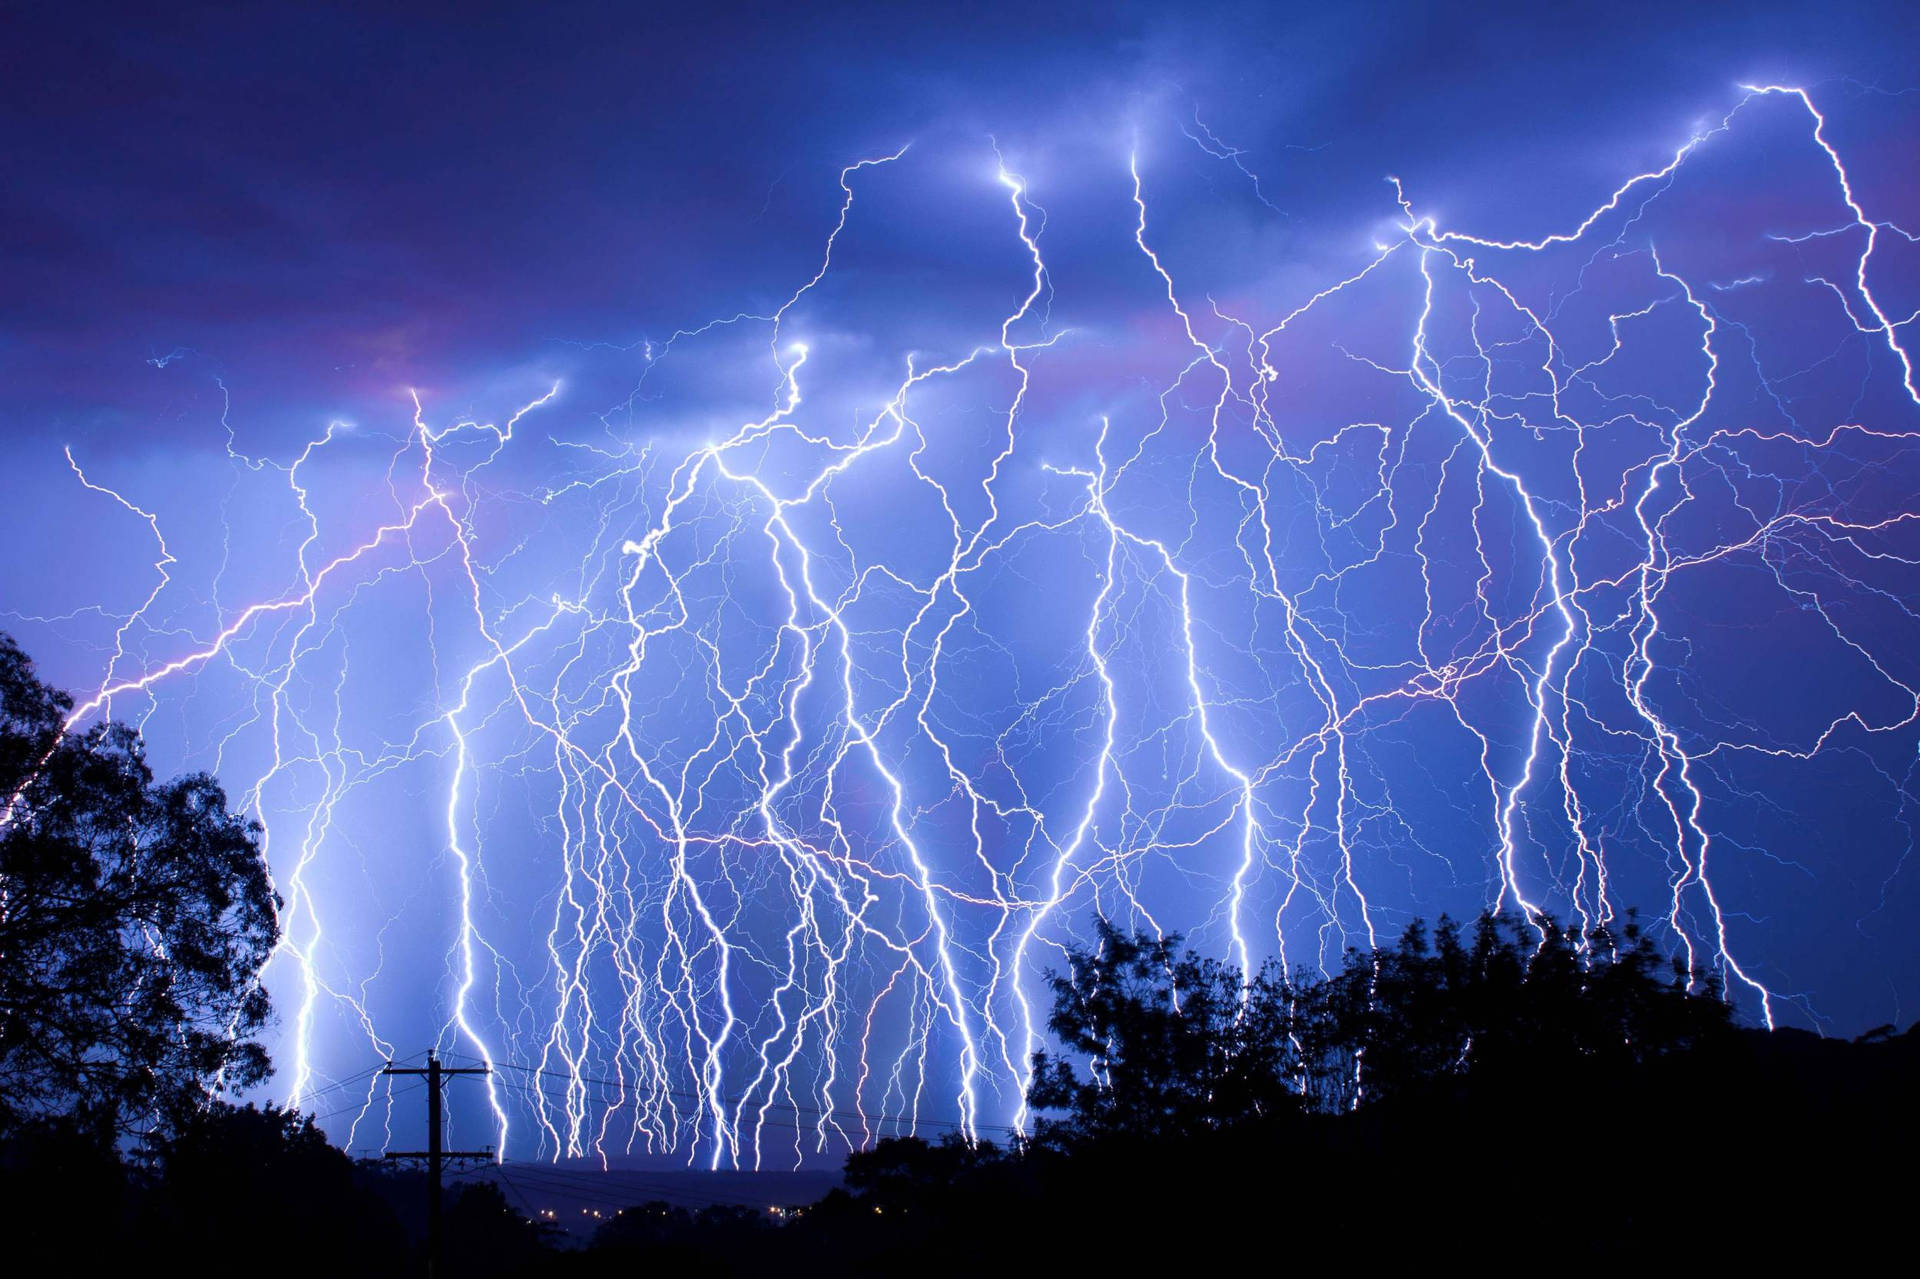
{"x":134,"y":919}
{"x":1518,"y":995}
{"x":1155,"y":1042}
{"x":1171,"y":1043}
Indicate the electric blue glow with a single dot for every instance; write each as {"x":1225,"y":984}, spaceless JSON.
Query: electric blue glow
{"x":722,"y":732}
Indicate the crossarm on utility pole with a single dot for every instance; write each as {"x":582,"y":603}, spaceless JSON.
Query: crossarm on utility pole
{"x":435,"y":1156}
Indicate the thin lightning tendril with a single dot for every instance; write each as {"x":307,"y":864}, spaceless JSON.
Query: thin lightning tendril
{"x":812,"y":826}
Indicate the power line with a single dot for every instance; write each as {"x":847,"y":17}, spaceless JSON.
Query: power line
{"x":435,"y":1073}
{"x":401,"y":1091}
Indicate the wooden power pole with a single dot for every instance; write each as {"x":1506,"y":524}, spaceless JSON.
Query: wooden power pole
{"x":435,"y":1156}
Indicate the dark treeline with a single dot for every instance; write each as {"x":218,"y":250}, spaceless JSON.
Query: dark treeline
{"x":1515,"y":1090}
{"x":1519,"y":1090}
{"x":1557,"y":1097}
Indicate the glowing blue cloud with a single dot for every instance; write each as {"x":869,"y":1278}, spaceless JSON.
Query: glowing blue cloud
{"x":728,"y":777}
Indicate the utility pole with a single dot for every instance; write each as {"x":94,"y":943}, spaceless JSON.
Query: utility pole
{"x":433,"y":1154}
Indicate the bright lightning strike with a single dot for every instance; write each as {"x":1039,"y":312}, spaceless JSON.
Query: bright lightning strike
{"x":762,"y":778}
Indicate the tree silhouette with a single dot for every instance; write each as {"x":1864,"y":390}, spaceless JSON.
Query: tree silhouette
{"x":904,"y":1173}
{"x":1172,"y":1044}
{"x":486,"y":1235}
{"x":134,"y":918}
{"x":713,"y":1239}
{"x":1525,"y":998}
{"x":234,"y":1181}
{"x":1158,"y":1044}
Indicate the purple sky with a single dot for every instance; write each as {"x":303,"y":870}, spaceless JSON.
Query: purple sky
{"x":766,"y":780}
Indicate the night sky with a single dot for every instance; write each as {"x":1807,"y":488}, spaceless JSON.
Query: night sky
{"x":714,"y":544}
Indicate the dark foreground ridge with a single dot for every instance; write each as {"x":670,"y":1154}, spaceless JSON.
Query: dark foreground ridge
{"x":1486,"y":1127}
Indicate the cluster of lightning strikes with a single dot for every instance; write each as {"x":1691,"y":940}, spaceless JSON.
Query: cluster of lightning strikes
{"x":752,"y":826}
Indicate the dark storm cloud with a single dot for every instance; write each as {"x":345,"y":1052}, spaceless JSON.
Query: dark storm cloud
{"x":330,"y":201}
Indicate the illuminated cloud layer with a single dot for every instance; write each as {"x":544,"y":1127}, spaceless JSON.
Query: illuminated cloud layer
{"x":722,"y":733}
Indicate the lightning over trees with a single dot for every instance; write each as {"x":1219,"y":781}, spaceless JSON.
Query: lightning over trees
{"x":1159,"y":1044}
{"x":135,"y":916}
{"x":728,"y":764}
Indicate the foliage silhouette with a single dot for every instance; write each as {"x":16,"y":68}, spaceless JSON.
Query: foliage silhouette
{"x":63,"y":1193}
{"x":1174,"y":1044}
{"x":1157,"y":1044}
{"x":1462,"y":1084}
{"x":134,"y":918}
{"x":710,"y":1240}
{"x":261,"y":1182}
{"x":1558,"y":1092}
{"x":488,"y":1236}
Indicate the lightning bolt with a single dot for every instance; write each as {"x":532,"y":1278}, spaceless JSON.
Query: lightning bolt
{"x":768,"y":772}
